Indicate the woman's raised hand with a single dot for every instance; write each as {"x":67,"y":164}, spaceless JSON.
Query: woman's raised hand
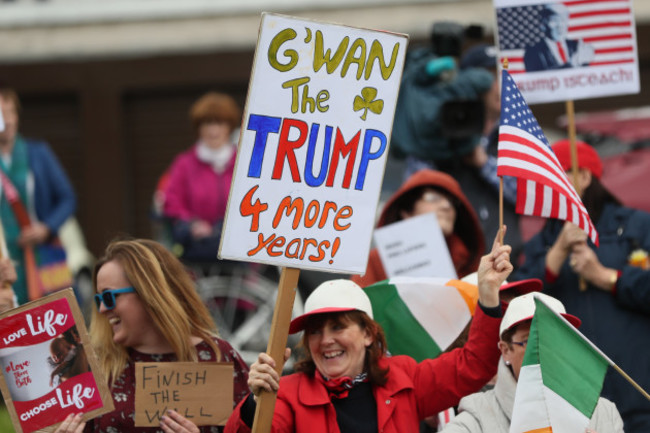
{"x":493,"y":271}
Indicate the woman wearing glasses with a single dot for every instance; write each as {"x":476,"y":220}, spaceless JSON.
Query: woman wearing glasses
{"x":491,"y":411}
{"x":149,"y":311}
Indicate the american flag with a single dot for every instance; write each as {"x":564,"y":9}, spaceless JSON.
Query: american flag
{"x":543,"y":188}
{"x":607,"y":25}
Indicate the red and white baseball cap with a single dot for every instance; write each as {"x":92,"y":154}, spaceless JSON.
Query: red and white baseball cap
{"x":522,"y":308}
{"x":522,"y":287}
{"x":333,"y":296}
{"x":519,"y":287}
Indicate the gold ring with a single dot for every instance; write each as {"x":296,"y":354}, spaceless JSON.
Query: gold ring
{"x":572,"y":262}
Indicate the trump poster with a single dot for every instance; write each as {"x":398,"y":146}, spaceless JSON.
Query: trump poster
{"x":49,"y":369}
{"x":313,"y":145}
{"x":569,"y":50}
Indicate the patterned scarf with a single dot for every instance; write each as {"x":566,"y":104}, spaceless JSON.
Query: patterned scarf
{"x":17,"y":173}
{"x":340,"y":387}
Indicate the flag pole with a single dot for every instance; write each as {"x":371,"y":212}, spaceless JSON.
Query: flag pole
{"x":571,"y":129}
{"x":505,"y":66}
{"x":500,"y":209}
{"x":629,"y":379}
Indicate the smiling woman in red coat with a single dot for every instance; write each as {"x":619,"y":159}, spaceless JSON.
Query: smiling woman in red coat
{"x":348,"y":383}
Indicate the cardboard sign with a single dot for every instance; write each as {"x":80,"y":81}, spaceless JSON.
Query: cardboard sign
{"x":49,"y":369}
{"x":566,"y":51}
{"x":200,"y":391}
{"x":414,"y":247}
{"x":313,"y":145}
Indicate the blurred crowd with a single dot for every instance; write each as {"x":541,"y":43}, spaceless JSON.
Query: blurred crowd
{"x":446,"y":130}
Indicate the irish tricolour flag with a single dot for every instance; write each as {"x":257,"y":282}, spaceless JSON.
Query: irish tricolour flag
{"x":421,"y":317}
{"x":560,"y":379}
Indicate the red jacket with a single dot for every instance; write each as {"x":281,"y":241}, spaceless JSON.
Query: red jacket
{"x":413,"y":391}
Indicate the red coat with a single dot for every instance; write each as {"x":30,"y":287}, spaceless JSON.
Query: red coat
{"x":413,"y":391}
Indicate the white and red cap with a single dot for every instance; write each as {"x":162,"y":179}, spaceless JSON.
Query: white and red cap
{"x":520,"y":287}
{"x":333,"y":296}
{"x":522,"y":308}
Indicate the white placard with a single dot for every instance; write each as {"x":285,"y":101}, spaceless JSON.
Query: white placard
{"x":313,"y":145}
{"x":596,"y":55}
{"x":2,"y":121}
{"x":414,"y":247}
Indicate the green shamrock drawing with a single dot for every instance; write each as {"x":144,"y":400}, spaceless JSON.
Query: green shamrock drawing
{"x":367,"y":102}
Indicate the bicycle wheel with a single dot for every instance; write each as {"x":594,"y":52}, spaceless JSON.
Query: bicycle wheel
{"x":242,"y":303}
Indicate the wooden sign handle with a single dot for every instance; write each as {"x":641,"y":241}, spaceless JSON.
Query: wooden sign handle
{"x":571,"y":127}
{"x":277,"y":344}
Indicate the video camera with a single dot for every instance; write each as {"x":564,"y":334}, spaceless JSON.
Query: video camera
{"x":440,"y":113}
{"x":448,"y":37}
{"x":460,"y":118}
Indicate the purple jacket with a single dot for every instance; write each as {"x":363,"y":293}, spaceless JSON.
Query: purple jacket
{"x":195,"y":190}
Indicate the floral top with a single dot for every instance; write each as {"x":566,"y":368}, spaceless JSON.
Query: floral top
{"x":121,"y":420}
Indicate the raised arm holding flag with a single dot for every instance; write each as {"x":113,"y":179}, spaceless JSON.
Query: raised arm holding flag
{"x":347,"y":381}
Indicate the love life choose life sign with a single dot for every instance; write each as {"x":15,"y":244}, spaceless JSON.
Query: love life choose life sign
{"x":49,"y":369}
{"x":313,"y":145}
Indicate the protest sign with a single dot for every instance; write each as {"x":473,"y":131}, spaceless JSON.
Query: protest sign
{"x":414,"y":247}
{"x":199,"y":391}
{"x":49,"y":369}
{"x":560,"y":51}
{"x":313,"y":145}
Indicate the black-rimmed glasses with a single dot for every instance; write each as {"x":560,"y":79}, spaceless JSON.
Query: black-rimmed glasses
{"x":108,"y":297}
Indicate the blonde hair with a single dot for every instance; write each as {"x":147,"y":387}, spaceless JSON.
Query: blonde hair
{"x":168,"y":295}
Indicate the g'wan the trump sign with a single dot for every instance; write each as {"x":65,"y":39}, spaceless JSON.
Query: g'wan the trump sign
{"x":313,"y":145}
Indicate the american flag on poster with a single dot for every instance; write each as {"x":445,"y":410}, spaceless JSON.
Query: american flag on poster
{"x":606,"y":25}
{"x":543,"y":188}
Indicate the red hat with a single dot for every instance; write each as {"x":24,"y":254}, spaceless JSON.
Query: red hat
{"x":587,"y":157}
{"x":520,"y":287}
{"x":523,"y":286}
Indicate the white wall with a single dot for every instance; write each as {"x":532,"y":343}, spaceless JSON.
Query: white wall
{"x":33,"y":30}
{"x":36,"y":30}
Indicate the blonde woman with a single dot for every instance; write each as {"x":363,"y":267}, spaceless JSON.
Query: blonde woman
{"x":148,"y":311}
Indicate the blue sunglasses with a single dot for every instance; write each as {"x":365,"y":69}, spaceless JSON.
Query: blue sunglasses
{"x":108,"y":297}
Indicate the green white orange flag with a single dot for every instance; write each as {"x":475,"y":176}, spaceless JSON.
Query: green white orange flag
{"x":421,"y":317}
{"x":561,"y":377}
